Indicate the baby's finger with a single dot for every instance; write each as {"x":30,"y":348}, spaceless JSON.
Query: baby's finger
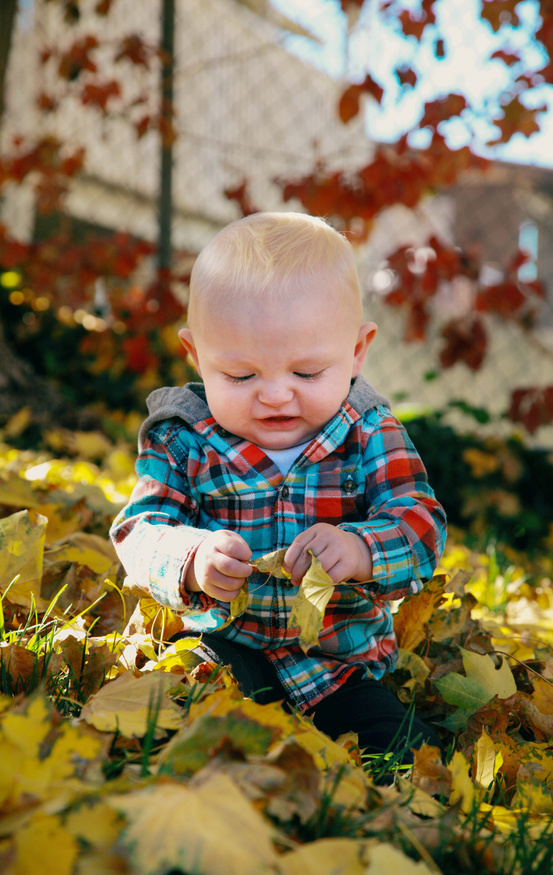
{"x":230,"y":567}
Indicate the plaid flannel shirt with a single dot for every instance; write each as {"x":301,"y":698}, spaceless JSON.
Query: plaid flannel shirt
{"x":360,"y":473}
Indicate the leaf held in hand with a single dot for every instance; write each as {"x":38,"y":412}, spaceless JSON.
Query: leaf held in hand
{"x":309,"y":605}
{"x":272,"y":563}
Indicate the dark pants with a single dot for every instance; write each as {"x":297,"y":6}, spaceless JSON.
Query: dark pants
{"x":360,"y":705}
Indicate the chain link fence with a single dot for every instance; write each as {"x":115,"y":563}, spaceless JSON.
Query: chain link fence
{"x":248,"y":107}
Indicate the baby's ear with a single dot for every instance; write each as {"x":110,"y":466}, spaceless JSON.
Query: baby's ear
{"x":366,"y":335}
{"x":185,"y":337}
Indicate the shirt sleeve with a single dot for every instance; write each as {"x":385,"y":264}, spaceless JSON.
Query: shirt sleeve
{"x":156,"y":534}
{"x":405,"y":526}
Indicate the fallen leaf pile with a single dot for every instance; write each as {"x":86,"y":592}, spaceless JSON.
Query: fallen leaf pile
{"x":118,"y":755}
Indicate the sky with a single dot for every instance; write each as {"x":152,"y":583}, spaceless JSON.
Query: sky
{"x":379,"y":48}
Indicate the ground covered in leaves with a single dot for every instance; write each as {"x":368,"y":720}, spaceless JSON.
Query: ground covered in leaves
{"x":116,"y":758}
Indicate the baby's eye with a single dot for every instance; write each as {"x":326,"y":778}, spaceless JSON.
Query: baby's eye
{"x":233,"y":379}
{"x":314,"y":376}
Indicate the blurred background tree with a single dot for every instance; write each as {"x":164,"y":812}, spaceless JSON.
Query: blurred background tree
{"x":92,"y":306}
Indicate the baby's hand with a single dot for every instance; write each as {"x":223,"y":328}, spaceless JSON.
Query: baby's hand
{"x":343,"y":555}
{"x":220,"y":566}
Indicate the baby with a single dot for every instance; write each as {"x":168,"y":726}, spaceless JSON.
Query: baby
{"x":284,"y":444}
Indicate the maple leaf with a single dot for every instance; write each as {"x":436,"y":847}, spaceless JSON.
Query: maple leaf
{"x":533,"y":407}
{"x":78,"y":58}
{"x":340,"y":855}
{"x":22,"y":538}
{"x":127,"y":704}
{"x":466,"y":341}
{"x":314,"y":593}
{"x":157,"y":842}
{"x":517,"y":119}
{"x":481,"y":682}
{"x":436,"y":111}
{"x":99,"y":94}
{"x":350,"y":100}
{"x":406,"y":76}
{"x":429,"y":773}
{"x":241,"y":195}
{"x":414,"y":613}
{"x":508,"y":58}
{"x":134,"y":49}
{"x":412,"y":25}
{"x":500,"y":12}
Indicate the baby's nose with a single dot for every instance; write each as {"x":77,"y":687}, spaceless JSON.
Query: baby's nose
{"x":275,"y":393}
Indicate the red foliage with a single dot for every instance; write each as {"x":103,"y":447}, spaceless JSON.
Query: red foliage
{"x":78,"y":58}
{"x":436,"y":111}
{"x":466,"y":340}
{"x":241,"y":195}
{"x":412,"y":25}
{"x":517,"y":119}
{"x":532,"y":407}
{"x":406,"y":76}
{"x":100,"y":93}
{"x":350,"y":101}
{"x":499,"y":12}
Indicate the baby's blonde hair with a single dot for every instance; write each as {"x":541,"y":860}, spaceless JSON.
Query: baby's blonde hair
{"x":274,"y":255}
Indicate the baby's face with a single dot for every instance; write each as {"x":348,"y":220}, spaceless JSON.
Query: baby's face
{"x":276,"y":373}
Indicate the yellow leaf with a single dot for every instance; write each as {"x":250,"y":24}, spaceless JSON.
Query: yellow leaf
{"x":238,"y":606}
{"x":209,"y":827}
{"x":414,"y":613}
{"x":17,"y":423}
{"x":462,"y":788}
{"x":39,"y":755}
{"x":127,"y":703}
{"x":497,"y":681}
{"x":418,"y":801}
{"x":271,"y":564}
{"x":44,"y":847}
{"x":542,"y":697}
{"x":180,"y":656}
{"x":429,"y":773}
{"x":314,"y":593}
{"x":387,"y":860}
{"x":331,"y":856}
{"x":325,"y":752}
{"x":487,"y":763}
{"x":17,"y":492}
{"x":94,"y":822}
{"x":152,"y":619}
{"x":94,"y":552}
{"x":21,"y":553}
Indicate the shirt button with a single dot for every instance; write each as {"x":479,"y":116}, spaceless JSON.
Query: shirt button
{"x":285,"y":491}
{"x":349,"y":485}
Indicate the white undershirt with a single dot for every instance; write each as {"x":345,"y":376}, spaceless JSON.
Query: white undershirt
{"x":284,"y":459}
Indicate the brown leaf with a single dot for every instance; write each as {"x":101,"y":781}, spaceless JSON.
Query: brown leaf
{"x":429,"y":773}
{"x":411,"y":620}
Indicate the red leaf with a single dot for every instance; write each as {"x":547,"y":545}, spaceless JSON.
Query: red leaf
{"x":532,"y":407}
{"x":505,"y":299}
{"x":406,"y":76}
{"x":348,"y":106}
{"x":413,"y":26}
{"x":509,"y":58}
{"x":437,"y":111}
{"x":103,"y":7}
{"x":99,"y":94}
{"x":241,"y":195}
{"x":138,"y":354}
{"x":466,"y":341}
{"x":78,"y":58}
{"x":517,"y":119}
{"x":134,"y":49}
{"x":499,"y":12}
